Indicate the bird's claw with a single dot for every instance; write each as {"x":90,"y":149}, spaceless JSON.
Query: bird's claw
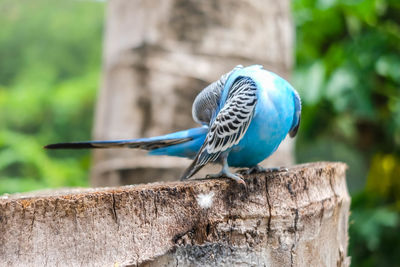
{"x":255,"y":169}
{"x":237,"y":177}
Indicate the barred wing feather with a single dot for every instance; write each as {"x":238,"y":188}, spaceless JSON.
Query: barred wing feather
{"x":230,"y":124}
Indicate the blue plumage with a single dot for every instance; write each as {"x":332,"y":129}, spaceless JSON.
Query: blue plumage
{"x":246,"y":115}
{"x":187,"y":149}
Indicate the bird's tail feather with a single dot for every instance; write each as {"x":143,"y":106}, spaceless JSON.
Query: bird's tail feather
{"x":146,"y":144}
{"x":182,"y":144}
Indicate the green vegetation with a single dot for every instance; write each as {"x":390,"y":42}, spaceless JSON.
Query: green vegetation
{"x":347,"y":72}
{"x":50,"y":58}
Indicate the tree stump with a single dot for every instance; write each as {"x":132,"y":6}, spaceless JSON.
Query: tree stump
{"x":294,"y":218}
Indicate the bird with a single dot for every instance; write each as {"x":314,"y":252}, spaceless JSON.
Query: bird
{"x":244,"y":116}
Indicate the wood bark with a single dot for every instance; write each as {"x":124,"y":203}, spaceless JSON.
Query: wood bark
{"x":294,"y":218}
{"x":159,"y":54}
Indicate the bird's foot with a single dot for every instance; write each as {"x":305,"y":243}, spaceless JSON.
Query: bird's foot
{"x":255,"y":169}
{"x":234,"y":176}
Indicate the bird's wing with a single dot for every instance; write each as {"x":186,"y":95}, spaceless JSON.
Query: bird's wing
{"x":297,"y":114}
{"x":207,"y":101}
{"x":230,"y":124}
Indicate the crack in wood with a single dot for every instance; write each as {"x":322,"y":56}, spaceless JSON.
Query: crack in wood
{"x":269,"y":207}
{"x":114,"y":211}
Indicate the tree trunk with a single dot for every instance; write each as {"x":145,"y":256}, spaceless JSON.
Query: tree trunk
{"x":295,"y":218}
{"x":159,"y":54}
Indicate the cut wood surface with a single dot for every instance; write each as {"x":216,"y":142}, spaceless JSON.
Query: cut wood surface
{"x":294,"y":218}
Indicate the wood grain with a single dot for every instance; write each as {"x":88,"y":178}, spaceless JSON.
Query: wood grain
{"x":294,"y":218}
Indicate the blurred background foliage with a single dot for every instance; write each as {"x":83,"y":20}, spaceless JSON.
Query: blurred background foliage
{"x":348,"y":75}
{"x":50,"y":59}
{"x":347,"y":72}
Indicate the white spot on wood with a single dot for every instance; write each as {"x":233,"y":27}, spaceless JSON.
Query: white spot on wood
{"x":205,"y":200}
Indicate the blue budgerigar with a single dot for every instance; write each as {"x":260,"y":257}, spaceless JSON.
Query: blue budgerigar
{"x":245,"y":115}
